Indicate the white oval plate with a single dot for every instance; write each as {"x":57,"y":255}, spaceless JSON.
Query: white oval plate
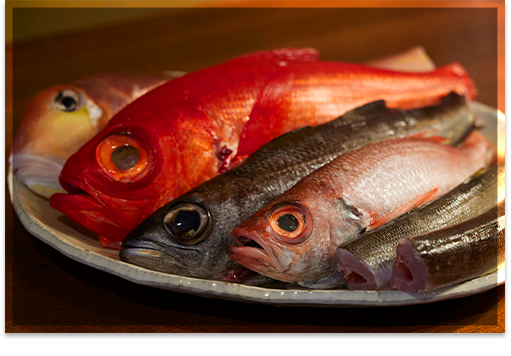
{"x":75,"y":242}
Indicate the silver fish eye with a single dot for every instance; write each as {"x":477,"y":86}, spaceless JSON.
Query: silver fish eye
{"x":188,"y":223}
{"x":68,"y":100}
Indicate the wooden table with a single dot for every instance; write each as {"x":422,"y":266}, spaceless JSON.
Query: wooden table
{"x":48,"y":292}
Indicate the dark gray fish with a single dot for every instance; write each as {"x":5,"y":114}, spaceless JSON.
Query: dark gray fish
{"x":367,"y":262}
{"x":189,"y":235}
{"x":452,"y":255}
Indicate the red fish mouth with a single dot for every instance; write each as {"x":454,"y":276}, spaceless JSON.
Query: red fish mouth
{"x":87,"y":209}
{"x":252,"y":252}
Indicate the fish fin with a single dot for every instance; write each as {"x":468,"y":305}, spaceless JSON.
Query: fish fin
{"x":421,"y":199}
{"x":474,"y":176}
{"x":374,"y":107}
{"x":459,"y":71}
{"x":433,"y":138}
{"x":422,"y":134}
{"x":284,"y":54}
{"x":412,"y":60}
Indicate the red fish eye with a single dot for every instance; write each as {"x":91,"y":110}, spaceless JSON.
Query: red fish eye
{"x":123,"y":158}
{"x":291,"y":223}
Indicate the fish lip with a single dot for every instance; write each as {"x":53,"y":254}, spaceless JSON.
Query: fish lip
{"x":266,"y":253}
{"x":71,"y":183}
{"x":130,"y":246}
{"x":77,"y":189}
{"x":147,"y":245}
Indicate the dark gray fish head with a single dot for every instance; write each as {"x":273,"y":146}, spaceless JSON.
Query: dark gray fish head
{"x":189,"y":236}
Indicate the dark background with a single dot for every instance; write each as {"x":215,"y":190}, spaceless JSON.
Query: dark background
{"x":47,"y":292}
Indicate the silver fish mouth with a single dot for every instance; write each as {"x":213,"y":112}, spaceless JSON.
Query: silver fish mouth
{"x":252,"y":247}
{"x":145,"y":245}
{"x":154,"y":256}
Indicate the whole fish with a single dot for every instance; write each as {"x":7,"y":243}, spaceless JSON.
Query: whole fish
{"x":60,"y":119}
{"x":367,"y":262}
{"x":451,"y":255}
{"x":167,"y":242}
{"x":295,"y":237}
{"x":199,"y":125}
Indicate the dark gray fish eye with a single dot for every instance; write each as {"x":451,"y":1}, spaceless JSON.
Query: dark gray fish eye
{"x":187,"y":220}
{"x":187,"y":223}
{"x":68,"y":100}
{"x":125,"y":157}
{"x":288,"y":222}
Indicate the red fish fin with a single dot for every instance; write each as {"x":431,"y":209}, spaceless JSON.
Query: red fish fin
{"x":110,"y":242}
{"x":422,"y":199}
{"x":437,"y":139}
{"x":284,"y":54}
{"x":422,"y":134}
{"x":459,"y":71}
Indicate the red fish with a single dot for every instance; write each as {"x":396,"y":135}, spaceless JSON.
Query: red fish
{"x":197,"y":126}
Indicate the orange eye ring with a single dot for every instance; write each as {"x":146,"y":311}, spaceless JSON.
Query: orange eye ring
{"x":123,"y":159}
{"x":291,"y":223}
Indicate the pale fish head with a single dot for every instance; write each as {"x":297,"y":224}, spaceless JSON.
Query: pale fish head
{"x":54,"y":125}
{"x":289,"y":240}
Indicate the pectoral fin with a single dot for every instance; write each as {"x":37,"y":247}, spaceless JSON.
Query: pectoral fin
{"x":421,"y":199}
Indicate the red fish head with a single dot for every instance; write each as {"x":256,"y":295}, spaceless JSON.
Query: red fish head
{"x":115,"y":180}
{"x":150,"y":152}
{"x":289,"y":241}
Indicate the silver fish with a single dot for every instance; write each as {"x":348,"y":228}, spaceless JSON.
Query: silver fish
{"x":452,"y":255}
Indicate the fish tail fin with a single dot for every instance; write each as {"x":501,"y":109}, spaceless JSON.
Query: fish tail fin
{"x":457,"y":70}
{"x":284,"y":54}
{"x":420,"y":200}
{"x":478,"y":142}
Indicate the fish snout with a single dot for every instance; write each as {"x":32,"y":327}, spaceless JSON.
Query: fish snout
{"x":253,"y":245}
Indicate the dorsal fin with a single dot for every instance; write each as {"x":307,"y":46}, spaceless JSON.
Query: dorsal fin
{"x":284,"y":54}
{"x":358,"y":114}
{"x":374,"y":107}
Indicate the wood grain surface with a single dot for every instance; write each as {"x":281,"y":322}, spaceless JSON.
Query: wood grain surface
{"x":48,"y":292}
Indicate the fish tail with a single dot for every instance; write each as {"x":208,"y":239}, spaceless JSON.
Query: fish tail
{"x":468,"y":87}
{"x":476,"y":141}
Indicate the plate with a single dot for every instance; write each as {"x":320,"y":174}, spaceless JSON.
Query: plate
{"x":77,"y":243}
